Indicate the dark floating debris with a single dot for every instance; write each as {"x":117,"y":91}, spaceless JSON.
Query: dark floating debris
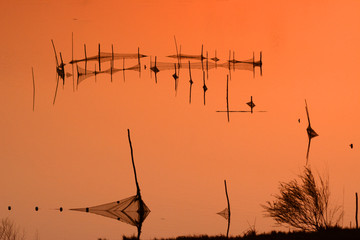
{"x":351,"y":145}
{"x":9,"y":208}
{"x":36,"y":208}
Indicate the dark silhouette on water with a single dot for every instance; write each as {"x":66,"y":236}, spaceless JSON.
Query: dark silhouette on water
{"x":215,"y":59}
{"x":226,"y":212}
{"x":176,"y":77}
{"x":154,"y":69}
{"x":131,"y":210}
{"x":191,"y":83}
{"x":33,"y":78}
{"x":204,"y":88}
{"x":310,"y":132}
{"x":351,"y":145}
{"x":251,"y":104}
{"x":60,"y":70}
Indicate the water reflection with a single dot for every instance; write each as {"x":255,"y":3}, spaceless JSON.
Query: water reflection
{"x":311,"y":133}
{"x":251,"y":104}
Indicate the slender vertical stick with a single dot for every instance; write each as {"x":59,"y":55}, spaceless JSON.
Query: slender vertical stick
{"x":85,"y":58}
{"x":207,"y":65}
{"x":32,"y":70}
{"x":228,"y":203}
{"x":139,"y":62}
{"x":204,"y":87}
{"x":72,"y":59}
{"x":227,"y":98}
{"x":132,"y":159}
{"x":112,"y":61}
{"x":356,"y":211}
{"x":191,"y":83}
{"x":253,"y":65}
{"x":229,"y":63}
{"x":99,"y":59}
{"x":202,"y":57}
{"x":124,"y":68}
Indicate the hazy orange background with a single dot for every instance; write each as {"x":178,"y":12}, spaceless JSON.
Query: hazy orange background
{"x":76,"y":154}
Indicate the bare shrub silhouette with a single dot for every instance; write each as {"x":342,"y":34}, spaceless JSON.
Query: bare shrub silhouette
{"x":304,"y":204}
{"x":9,"y":230}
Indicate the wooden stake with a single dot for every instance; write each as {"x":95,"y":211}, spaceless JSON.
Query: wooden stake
{"x":356,"y":211}
{"x":112,"y":61}
{"x":32,"y":70}
{"x":132,"y":159}
{"x":85,"y":58}
{"x":139,"y":62}
{"x":228,"y":202}
{"x":99,"y":59}
{"x":227,"y":97}
{"x":72,"y":59}
{"x":191,"y":83}
{"x":124,"y":68}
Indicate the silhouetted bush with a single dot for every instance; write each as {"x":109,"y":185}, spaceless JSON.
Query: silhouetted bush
{"x":304,"y":205}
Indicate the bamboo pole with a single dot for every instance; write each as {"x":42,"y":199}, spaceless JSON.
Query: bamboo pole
{"x":85,"y":58}
{"x":204,"y":87}
{"x":356,"y":210}
{"x":227,"y":98}
{"x":32,"y":70}
{"x":124,"y":69}
{"x":139,"y":62}
{"x":132,"y":159}
{"x":207,"y":65}
{"x":112,"y":61}
{"x":72,"y":59}
{"x":191,"y":83}
{"x":99,"y":59}
{"x":228,"y":203}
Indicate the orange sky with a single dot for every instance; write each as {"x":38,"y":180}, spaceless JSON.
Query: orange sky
{"x":76,"y":154}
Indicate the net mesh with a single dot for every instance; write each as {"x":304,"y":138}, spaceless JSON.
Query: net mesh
{"x":131,"y":210}
{"x":224,"y":213}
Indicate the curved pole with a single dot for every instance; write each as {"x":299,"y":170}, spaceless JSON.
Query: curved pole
{"x":228,"y":202}
{"x":132,"y":159}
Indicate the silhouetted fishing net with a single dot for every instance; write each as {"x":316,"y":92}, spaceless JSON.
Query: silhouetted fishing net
{"x":203,"y":65}
{"x":106,"y":57}
{"x":224,"y":213}
{"x":83,"y":73}
{"x":187,"y":56}
{"x":130,"y":210}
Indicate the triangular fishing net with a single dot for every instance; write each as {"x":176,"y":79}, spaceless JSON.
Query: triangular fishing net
{"x":131,"y":210}
{"x":224,"y":213}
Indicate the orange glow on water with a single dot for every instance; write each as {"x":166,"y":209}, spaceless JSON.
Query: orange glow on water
{"x":76,"y":154}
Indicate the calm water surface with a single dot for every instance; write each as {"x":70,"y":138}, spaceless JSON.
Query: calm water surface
{"x":76,"y":153}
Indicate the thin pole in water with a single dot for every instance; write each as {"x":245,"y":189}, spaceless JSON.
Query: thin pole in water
{"x":72,"y":59}
{"x":227,"y":97}
{"x":132,"y":159}
{"x":33,"y":78}
{"x":356,"y":211}
{"x":228,"y":202}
